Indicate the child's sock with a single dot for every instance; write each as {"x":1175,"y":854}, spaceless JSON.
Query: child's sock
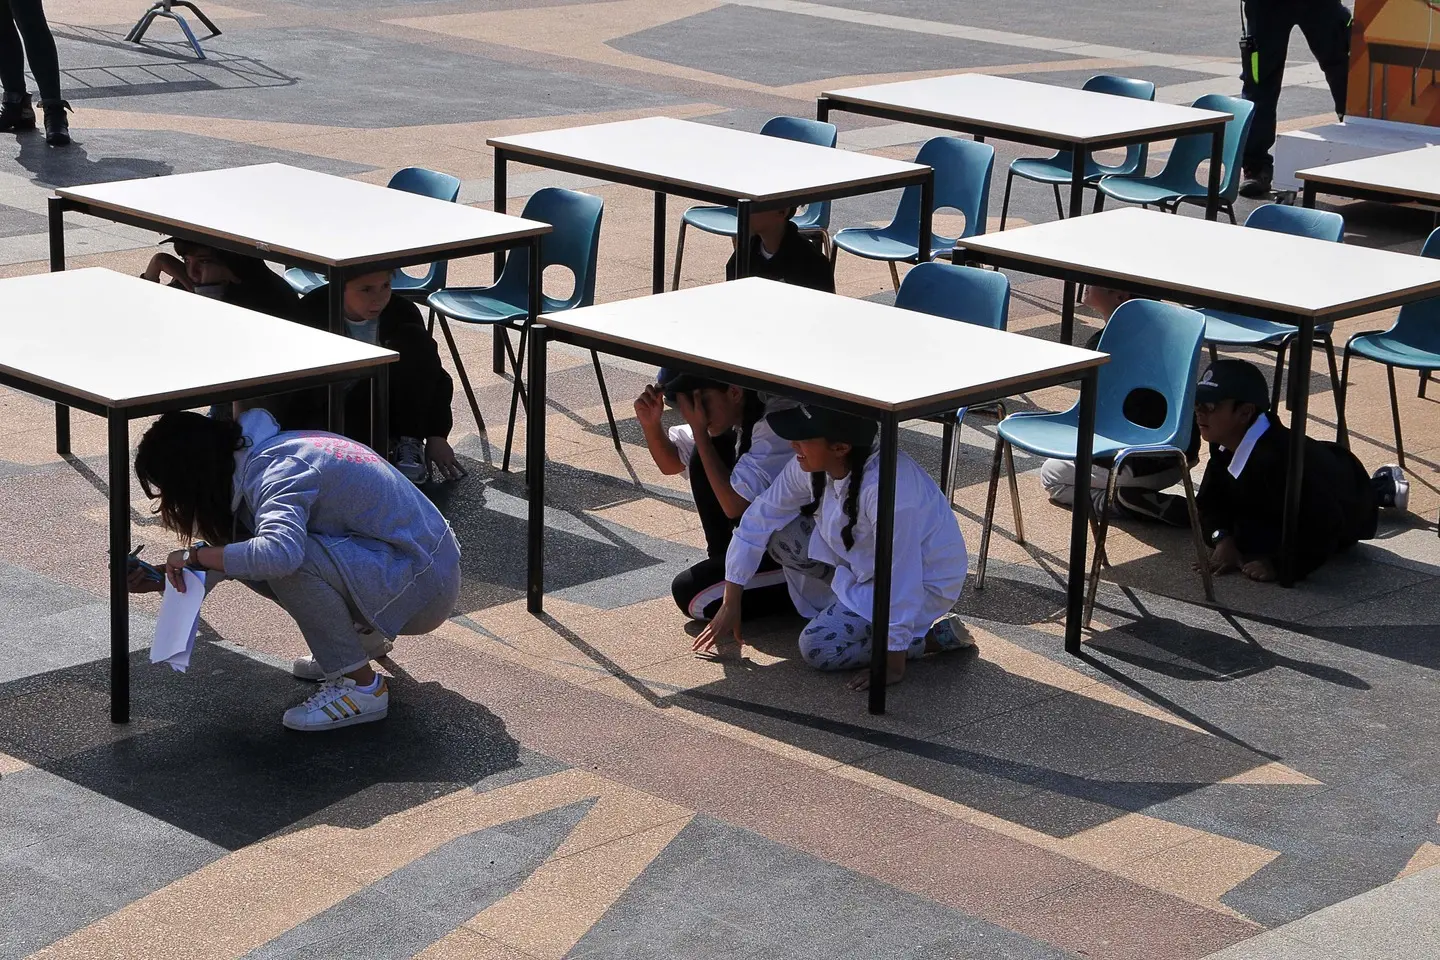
{"x":372,"y":686}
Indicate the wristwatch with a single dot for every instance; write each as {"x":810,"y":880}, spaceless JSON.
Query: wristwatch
{"x":192,"y":555}
{"x":1217,"y":535}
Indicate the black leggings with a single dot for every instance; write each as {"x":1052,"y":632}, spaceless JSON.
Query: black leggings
{"x":39,"y":47}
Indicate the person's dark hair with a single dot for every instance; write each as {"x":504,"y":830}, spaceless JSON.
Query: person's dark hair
{"x":817,"y":490}
{"x":186,"y":461}
{"x":856,"y":459}
{"x":246,"y":269}
{"x":752,"y":413}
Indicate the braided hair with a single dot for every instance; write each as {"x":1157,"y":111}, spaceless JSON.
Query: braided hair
{"x":752,"y":413}
{"x":817,"y":489}
{"x":856,"y":459}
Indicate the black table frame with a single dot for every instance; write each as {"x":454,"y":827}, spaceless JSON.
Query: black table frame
{"x":337,"y":276}
{"x":1302,"y":350}
{"x":663,"y":188}
{"x":1310,"y":189}
{"x":1079,"y":153}
{"x":118,"y":450}
{"x":888,"y":449}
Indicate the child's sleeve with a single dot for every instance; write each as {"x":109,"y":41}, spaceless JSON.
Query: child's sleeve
{"x":684,"y":439}
{"x":781,"y":502}
{"x":761,"y":464}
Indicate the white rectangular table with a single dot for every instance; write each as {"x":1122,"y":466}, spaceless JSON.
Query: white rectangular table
{"x":124,"y":348}
{"x":851,"y":355}
{"x":713,"y":165}
{"x":1259,"y":273}
{"x":334,"y":226}
{"x":1410,"y":176}
{"x":1038,"y":114}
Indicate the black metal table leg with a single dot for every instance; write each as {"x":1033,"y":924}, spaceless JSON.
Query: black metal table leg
{"x":57,"y":263}
{"x":742,"y":240}
{"x":1079,"y":515}
{"x":119,"y":453}
{"x":1308,"y":195}
{"x":1077,"y":199}
{"x":497,"y":346}
{"x":657,"y":264}
{"x":884,"y":558}
{"x":535,"y":473}
{"x":1303,"y":347}
{"x":1217,"y":158}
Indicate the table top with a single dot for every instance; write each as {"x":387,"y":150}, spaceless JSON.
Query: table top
{"x":1410,"y":173}
{"x":1405,"y":23}
{"x":280,"y":210}
{"x":120,"y":341}
{"x":855,"y":350}
{"x":736,"y":163}
{"x":1248,"y":267}
{"x":1023,"y":107}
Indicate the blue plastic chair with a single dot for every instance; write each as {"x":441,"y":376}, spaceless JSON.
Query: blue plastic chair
{"x":1177,"y":183}
{"x":969,"y":295}
{"x":962,"y":182}
{"x":1153,"y":346}
{"x":1056,"y":170}
{"x":418,"y":180}
{"x":814,"y":218}
{"x":574,"y":244}
{"x":1411,"y":343}
{"x":1233,"y":330}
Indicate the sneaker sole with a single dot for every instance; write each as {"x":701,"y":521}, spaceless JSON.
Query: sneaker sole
{"x":337,"y":724}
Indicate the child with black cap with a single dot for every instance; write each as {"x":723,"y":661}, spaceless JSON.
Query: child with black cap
{"x":1242,"y":496}
{"x":833,"y":467}
{"x":731,"y":456}
{"x":779,"y":252}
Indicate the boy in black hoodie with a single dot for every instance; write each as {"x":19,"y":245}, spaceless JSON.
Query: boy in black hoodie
{"x":779,"y":252}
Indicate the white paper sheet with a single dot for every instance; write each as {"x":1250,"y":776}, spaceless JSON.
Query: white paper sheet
{"x":178,"y":621}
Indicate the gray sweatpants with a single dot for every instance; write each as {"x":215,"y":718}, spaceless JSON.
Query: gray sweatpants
{"x":315,"y":595}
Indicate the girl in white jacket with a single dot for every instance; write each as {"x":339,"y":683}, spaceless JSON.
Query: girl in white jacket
{"x":835,"y":465}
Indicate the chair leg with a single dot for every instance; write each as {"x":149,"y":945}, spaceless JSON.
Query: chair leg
{"x":1059,"y":204}
{"x":517,"y":397}
{"x":1279,"y":376}
{"x":430,"y":323}
{"x":1196,"y":533}
{"x":1424,"y":379}
{"x":679,"y":256}
{"x":989,"y":520}
{"x":894,"y":275}
{"x":1395,"y":413}
{"x":1214,"y":354}
{"x":465,"y":382}
{"x":1334,"y":373}
{"x":1014,"y":493}
{"x":1342,"y":432}
{"x":947,"y":458}
{"x":1100,"y":530}
{"x":1005,"y":204}
{"x":1229,"y":211}
{"x":1099,"y":200}
{"x":605,"y":399}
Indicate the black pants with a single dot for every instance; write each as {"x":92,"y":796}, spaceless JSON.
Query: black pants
{"x":1326,"y":26}
{"x":39,"y":46}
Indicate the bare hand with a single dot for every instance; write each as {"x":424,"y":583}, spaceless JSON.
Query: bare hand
{"x":1225,"y":557}
{"x":441,"y":455}
{"x":725,"y":626}
{"x":894,"y":672}
{"x":692,"y":408}
{"x":138,"y":581}
{"x":649,"y":406}
{"x":163,"y":264}
{"x":175,"y":569}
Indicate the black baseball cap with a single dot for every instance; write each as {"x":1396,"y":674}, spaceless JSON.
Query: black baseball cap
{"x":675,"y":382}
{"x":808,"y":422}
{"x":1238,"y":380}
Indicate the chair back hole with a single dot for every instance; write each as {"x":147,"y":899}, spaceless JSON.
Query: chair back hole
{"x":558,"y":282}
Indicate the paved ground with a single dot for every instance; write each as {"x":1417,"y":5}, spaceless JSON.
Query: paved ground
{"x":580,"y":785}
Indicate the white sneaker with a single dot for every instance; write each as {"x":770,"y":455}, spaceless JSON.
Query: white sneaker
{"x":409,"y":459}
{"x":950,"y":633}
{"x":339,"y":703}
{"x":305,"y":668}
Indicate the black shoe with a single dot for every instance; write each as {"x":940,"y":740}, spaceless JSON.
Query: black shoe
{"x":57,"y":128}
{"x":16,"y":112}
{"x":1256,"y":184}
{"x":1167,"y":508}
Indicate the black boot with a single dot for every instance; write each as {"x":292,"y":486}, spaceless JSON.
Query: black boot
{"x":16,"y":113}
{"x":1255,"y":183}
{"x":57,"y":128}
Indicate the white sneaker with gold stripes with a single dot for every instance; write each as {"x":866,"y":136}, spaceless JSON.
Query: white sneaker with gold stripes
{"x":339,"y":703}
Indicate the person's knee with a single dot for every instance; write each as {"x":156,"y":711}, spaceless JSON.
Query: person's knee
{"x":814,"y":649}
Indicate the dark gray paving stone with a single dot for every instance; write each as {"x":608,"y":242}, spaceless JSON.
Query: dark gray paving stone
{"x":39,"y":911}
{"x":26,"y":596}
{"x":719,"y":891}
{"x":320,"y":75}
{"x":15,"y":222}
{"x":769,"y":47}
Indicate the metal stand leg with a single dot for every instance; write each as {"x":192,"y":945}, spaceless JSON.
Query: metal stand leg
{"x":1079,"y":514}
{"x":1217,"y":159}
{"x":57,"y":263}
{"x":1299,"y":416}
{"x":162,"y":9}
{"x":884,"y":557}
{"x":535,"y":473}
{"x":742,"y":239}
{"x":119,"y":452}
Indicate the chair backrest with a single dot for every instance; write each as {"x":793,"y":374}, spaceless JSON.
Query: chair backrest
{"x":967,"y":294}
{"x":574,"y":243}
{"x":1418,"y":324}
{"x":1152,"y":346}
{"x":1136,"y":155}
{"x":962,"y":181}
{"x":428,"y":183}
{"x":1192,"y":150}
{"x":814,"y":216}
{"x":1298,"y":222}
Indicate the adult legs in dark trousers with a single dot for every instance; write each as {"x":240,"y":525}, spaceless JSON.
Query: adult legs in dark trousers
{"x":1326,"y":27}
{"x":25,"y":19}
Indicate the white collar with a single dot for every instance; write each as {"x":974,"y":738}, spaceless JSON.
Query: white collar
{"x":1247,"y":445}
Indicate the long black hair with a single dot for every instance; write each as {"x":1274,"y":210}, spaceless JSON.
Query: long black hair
{"x":186,"y":461}
{"x":752,"y":413}
{"x":856,"y":460}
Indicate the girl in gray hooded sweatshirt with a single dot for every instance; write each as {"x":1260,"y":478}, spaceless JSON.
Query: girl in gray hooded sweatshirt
{"x":324,"y":526}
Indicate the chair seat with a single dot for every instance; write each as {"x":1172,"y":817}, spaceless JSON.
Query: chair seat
{"x":1049,"y":171}
{"x":1234,"y":330}
{"x":304,"y":281}
{"x":1397,"y":353}
{"x":721,"y":220}
{"x":872,"y":243}
{"x":1054,"y":435}
{"x":1143,"y":190}
{"x":475,"y":305}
